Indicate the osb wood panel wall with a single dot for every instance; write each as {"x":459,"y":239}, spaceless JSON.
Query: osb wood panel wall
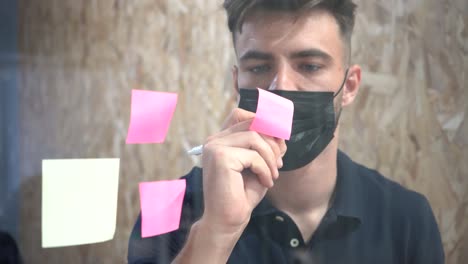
{"x":409,"y":121}
{"x":80,"y":60}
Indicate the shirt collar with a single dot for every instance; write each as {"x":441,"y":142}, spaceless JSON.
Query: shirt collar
{"x":347,"y":200}
{"x":264,"y":208}
{"x":348,"y":191}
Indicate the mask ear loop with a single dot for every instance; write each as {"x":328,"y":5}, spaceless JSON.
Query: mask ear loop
{"x":342,"y":84}
{"x":337,"y":93}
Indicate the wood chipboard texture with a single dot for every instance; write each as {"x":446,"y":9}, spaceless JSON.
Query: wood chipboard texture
{"x":80,"y":60}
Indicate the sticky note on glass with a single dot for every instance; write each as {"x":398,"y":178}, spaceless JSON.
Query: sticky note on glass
{"x":161,"y":206}
{"x":79,"y":201}
{"x":274,"y":115}
{"x":151,"y":114}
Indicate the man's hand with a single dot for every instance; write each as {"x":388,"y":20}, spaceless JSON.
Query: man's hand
{"x":239,"y":166}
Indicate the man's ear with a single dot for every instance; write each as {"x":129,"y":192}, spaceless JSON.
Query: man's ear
{"x":235,"y":74}
{"x":352,"y":84}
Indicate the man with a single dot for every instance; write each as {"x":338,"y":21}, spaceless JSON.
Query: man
{"x":263,"y":200}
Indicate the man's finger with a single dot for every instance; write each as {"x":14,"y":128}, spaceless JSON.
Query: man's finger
{"x":250,"y":140}
{"x":237,"y":115}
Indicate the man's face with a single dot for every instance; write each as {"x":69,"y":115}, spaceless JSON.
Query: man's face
{"x":280,"y":50}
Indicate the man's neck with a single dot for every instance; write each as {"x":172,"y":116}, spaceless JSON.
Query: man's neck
{"x":309,"y":187}
{"x":305,"y":194}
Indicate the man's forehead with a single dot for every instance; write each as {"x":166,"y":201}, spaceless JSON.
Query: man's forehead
{"x":269,"y":17}
{"x":269,"y":20}
{"x":268,"y":28}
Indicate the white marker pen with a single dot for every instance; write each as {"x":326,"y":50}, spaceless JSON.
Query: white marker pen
{"x":198,"y":150}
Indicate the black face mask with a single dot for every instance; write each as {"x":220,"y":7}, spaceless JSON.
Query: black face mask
{"x":314,"y":123}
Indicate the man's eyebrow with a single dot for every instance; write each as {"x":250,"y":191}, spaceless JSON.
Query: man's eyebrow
{"x":311,"y":53}
{"x":256,"y":55}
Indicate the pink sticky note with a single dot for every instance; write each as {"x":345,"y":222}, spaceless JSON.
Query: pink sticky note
{"x":274,"y":115}
{"x":161,"y":206}
{"x":151,"y":114}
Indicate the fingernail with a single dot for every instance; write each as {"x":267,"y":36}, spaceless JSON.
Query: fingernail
{"x":279,"y":162}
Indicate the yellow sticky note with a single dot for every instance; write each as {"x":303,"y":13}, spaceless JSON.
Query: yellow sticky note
{"x":79,"y":201}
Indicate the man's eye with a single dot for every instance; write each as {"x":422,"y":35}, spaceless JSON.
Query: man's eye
{"x":310,"y":67}
{"x":259,"y":69}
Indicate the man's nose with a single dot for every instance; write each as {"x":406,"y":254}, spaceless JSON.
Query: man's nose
{"x":283,"y":80}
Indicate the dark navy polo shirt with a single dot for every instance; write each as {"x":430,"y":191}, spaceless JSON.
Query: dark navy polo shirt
{"x":371,"y":220}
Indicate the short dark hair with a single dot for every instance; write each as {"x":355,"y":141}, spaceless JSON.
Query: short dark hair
{"x":342,"y":10}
